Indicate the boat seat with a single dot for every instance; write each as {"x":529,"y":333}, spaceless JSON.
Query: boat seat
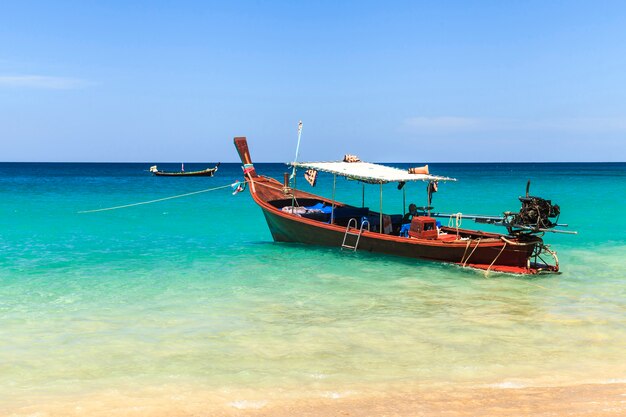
{"x":356,"y":212}
{"x":374,"y":221}
{"x":446,"y":237}
{"x":317,"y":215}
{"x":343,"y":215}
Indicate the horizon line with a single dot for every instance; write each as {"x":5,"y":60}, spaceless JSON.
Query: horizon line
{"x":288,"y":163}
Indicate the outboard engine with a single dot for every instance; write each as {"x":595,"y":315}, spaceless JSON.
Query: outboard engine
{"x":535,"y":215}
{"x":536,"y":212}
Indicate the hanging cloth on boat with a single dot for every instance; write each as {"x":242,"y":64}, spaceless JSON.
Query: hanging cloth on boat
{"x":431,"y":188}
{"x":238,"y":187}
{"x":311,"y":176}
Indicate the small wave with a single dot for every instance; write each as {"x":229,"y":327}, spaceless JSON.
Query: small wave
{"x":336,"y":395}
{"x":246,"y":405}
{"x":614,"y":381}
{"x":507,"y":385}
{"x":65,"y":300}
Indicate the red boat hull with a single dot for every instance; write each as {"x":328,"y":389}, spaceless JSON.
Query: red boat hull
{"x":490,"y":251}
{"x":289,"y":228}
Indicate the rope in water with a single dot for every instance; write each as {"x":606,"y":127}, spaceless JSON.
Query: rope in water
{"x":157,"y":200}
{"x":234,"y":185}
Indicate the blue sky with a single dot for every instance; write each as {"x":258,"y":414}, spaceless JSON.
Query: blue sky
{"x":388,"y":81}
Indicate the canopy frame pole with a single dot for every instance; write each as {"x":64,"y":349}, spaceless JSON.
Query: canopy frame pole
{"x":362,"y":195}
{"x":293,"y":192}
{"x":332,"y":211}
{"x":429,"y":195}
{"x":403,"y":201}
{"x":380,"y":219}
{"x":293,"y":174}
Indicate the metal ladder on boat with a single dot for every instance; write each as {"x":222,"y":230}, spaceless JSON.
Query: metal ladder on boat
{"x":358,"y":235}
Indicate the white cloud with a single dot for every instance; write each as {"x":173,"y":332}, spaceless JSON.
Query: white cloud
{"x":41,"y":81}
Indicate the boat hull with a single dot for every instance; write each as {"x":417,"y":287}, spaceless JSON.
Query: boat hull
{"x":209,"y":172}
{"x":206,"y":173}
{"x":469,"y":248}
{"x":291,"y":229}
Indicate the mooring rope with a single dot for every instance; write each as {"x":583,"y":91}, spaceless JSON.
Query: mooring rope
{"x":510,"y":242}
{"x":157,"y":200}
{"x":469,"y":241}
{"x":474,"y":250}
{"x":496,"y":258}
{"x":458,"y":219}
{"x":265,"y":185}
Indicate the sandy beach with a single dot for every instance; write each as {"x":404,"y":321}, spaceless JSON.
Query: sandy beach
{"x":578,"y":400}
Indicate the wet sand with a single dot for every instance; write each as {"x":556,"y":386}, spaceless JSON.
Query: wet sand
{"x":578,"y":400}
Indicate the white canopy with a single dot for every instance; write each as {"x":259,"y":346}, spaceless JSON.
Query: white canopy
{"x":368,"y":172}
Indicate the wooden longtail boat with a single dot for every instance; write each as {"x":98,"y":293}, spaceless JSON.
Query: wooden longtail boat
{"x":356,"y":228}
{"x":209,"y":172}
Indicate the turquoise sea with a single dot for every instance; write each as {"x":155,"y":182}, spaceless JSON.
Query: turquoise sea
{"x":192,"y":294}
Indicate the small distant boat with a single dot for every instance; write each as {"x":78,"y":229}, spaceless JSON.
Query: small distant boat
{"x":209,"y":172}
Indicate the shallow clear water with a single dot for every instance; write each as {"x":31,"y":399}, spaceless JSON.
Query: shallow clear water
{"x":193,"y":291}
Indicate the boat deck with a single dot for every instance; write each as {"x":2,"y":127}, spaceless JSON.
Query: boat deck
{"x":319,"y":210}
